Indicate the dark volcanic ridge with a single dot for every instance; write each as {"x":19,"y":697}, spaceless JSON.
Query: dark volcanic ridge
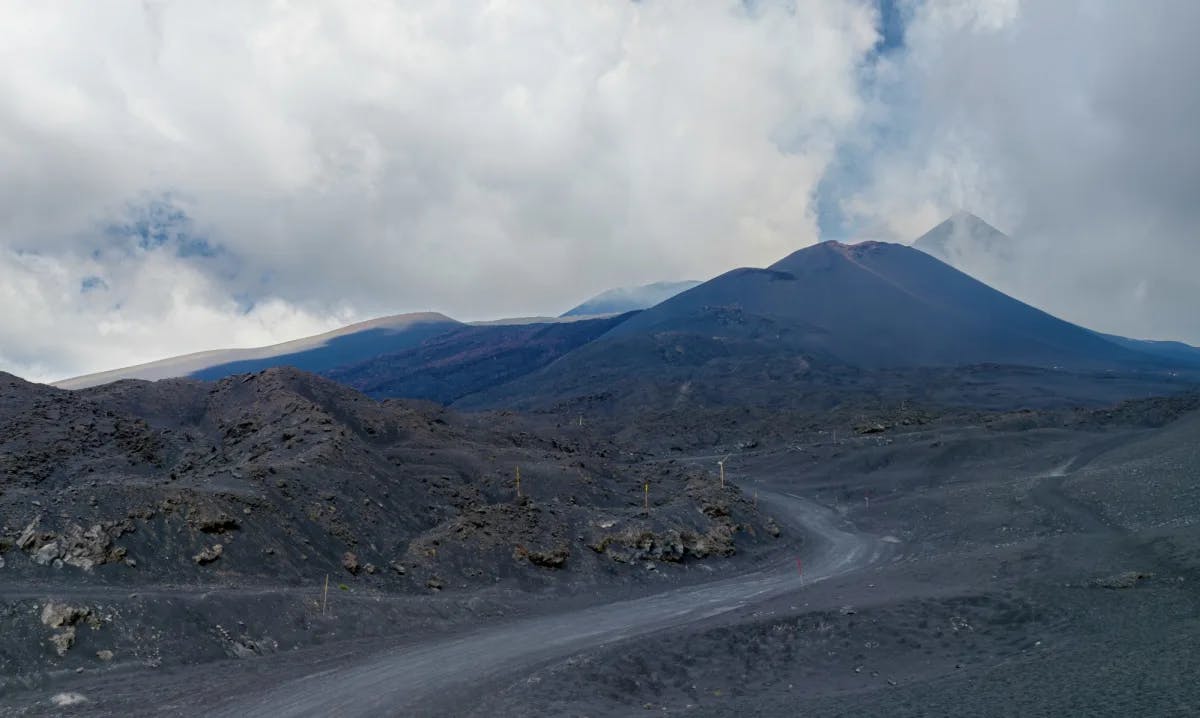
{"x":823,"y":319}
{"x":281,"y":478}
{"x":876,"y":305}
{"x":470,"y":359}
{"x":871,"y":322}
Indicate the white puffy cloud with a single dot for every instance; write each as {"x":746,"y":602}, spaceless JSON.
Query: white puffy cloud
{"x":477,"y":157}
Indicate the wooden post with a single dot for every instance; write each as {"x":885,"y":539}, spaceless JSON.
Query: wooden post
{"x":646,"y":496}
{"x":325,"y":596}
{"x":518,"y":482}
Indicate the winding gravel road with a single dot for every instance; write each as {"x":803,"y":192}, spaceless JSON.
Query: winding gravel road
{"x":413,"y":679}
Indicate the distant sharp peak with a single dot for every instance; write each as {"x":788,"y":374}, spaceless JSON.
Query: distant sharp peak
{"x":963,"y":218}
{"x":965,"y":241}
{"x":960,"y":223}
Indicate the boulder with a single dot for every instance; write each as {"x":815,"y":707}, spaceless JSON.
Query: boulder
{"x":28,"y":536}
{"x":553,"y":558}
{"x":66,"y":618}
{"x":47,"y":553}
{"x":62,"y":642}
{"x":217,"y":522}
{"x":57,"y":615}
{"x":209,"y":555}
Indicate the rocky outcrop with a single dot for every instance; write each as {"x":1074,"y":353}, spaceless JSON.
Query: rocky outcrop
{"x":65,"y":618}
{"x":551,"y":558}
{"x":635,"y":544}
{"x":213,"y":522}
{"x":298,"y":470}
{"x":210,"y":554}
{"x":76,"y":546}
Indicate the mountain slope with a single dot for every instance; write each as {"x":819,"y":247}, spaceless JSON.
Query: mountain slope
{"x":886,"y":305}
{"x":628,"y":299}
{"x":1176,"y":352}
{"x":470,"y":359}
{"x":877,"y":320}
{"x":323,"y":351}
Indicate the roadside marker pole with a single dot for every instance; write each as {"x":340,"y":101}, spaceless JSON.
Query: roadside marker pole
{"x":646,"y":495}
{"x":325,"y":596}
{"x":518,"y":482}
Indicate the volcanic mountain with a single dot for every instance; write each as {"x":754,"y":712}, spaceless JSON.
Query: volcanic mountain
{"x":882,"y":317}
{"x":882,"y":305}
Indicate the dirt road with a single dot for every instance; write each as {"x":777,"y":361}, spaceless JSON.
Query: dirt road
{"x":423,"y":678}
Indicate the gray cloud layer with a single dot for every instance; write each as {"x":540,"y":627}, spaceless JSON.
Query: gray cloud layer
{"x":1069,"y":124}
{"x":180,"y":176}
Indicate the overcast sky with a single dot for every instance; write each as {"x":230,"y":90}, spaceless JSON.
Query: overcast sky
{"x":184,"y":176}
